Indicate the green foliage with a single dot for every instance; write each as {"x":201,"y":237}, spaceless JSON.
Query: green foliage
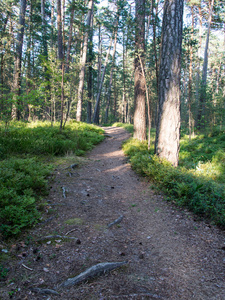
{"x":128,"y":127}
{"x":23,"y":148}
{"x":191,"y":188}
{"x":45,"y":139}
{"x":22,"y":183}
{"x":3,"y":272}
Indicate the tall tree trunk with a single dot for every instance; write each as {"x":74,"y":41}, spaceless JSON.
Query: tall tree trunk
{"x":168,"y":125}
{"x":97,"y":104}
{"x":202,"y":99}
{"x":155,"y":5}
{"x":111,"y":76}
{"x":70,"y":40}
{"x":99,"y":56}
{"x":16,"y":111}
{"x":52,"y":22}
{"x":90,"y":73}
{"x":139,"y":80}
{"x":190,"y":75}
{"x":199,"y":51}
{"x":59,"y":25}
{"x":43,"y":25}
{"x":83,"y":62}
{"x":60,"y":55}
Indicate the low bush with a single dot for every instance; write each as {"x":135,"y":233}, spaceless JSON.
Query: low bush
{"x":185,"y":187}
{"x":22,"y":184}
{"x":23,"y":171}
{"x":128,"y":127}
{"x":44,"y":139}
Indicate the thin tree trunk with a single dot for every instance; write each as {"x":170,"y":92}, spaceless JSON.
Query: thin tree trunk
{"x":90,"y":71}
{"x":59,"y":25}
{"x":69,"y":41}
{"x":60,"y":55}
{"x":148,"y":105}
{"x":52,"y":22}
{"x":83,"y":62}
{"x":97,"y":104}
{"x":199,"y":51}
{"x":139,"y":80}
{"x":190,"y":75}
{"x":202,"y":99}
{"x":16,"y":111}
{"x":111,"y":76}
{"x":168,"y":125}
{"x":99,"y":56}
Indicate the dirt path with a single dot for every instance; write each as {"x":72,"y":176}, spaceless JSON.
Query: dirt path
{"x":170,"y":255}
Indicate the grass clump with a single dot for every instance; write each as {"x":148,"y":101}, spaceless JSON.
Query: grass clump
{"x":25,"y":151}
{"x":186,"y":187}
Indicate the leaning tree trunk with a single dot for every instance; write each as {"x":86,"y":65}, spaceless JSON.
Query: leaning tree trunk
{"x":16,"y":112}
{"x":139,"y":79}
{"x":83,"y":62}
{"x":168,"y":125}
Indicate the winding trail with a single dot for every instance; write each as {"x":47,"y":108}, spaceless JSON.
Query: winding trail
{"x":170,"y":254}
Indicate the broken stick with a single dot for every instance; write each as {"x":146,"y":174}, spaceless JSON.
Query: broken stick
{"x":117,"y":221}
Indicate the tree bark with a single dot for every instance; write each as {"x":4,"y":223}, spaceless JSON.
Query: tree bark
{"x":168,"y":125}
{"x":139,"y":80}
{"x":16,"y":112}
{"x":190,"y":75}
{"x":83,"y":62}
{"x":90,"y":73}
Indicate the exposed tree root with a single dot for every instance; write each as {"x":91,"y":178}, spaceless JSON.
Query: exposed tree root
{"x":94,"y":271}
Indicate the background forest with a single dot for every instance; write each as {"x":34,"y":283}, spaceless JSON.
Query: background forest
{"x":45,"y":44}
{"x":70,"y":63}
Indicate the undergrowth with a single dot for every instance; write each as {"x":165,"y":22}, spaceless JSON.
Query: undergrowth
{"x":199,"y":181}
{"x":25,"y":151}
{"x":128,"y":127}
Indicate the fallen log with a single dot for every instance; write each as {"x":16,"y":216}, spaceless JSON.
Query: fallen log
{"x":94,"y":271}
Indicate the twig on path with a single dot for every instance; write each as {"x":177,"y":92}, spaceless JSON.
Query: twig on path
{"x":56,"y":236}
{"x":64,"y":192}
{"x":117,"y":221}
{"x":70,"y":231}
{"x":96,"y":270}
{"x":44,"y":291}
{"x":27,"y":267}
{"x":153,"y":296}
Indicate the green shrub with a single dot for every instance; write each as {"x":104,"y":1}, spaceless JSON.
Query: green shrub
{"x":22,"y":175}
{"x":45,"y":139}
{"x":22,"y":183}
{"x":187,"y":188}
{"x":128,"y":127}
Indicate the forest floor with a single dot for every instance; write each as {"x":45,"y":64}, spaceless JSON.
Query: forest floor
{"x":170,"y":253}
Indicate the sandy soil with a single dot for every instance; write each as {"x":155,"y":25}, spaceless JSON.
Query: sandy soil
{"x":170,"y":253}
